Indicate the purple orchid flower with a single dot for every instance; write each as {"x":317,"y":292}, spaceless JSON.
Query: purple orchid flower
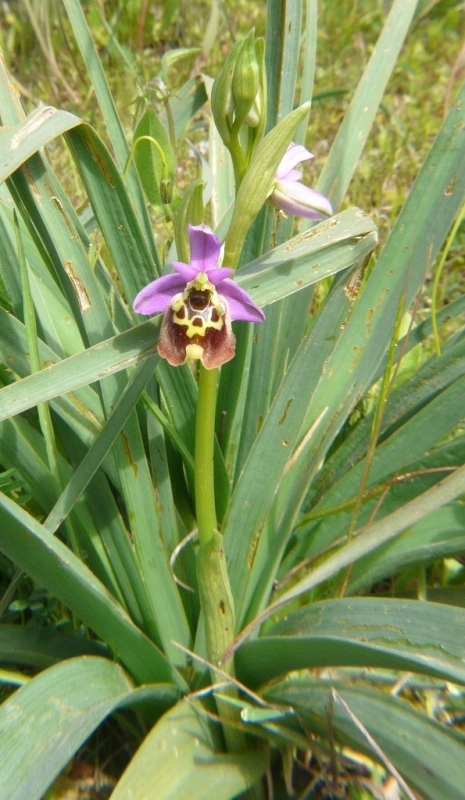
{"x":291,"y":195}
{"x":199,"y":301}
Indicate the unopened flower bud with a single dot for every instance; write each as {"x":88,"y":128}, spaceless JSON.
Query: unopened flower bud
{"x":254,"y":116}
{"x":246,"y":79}
{"x":222,"y":101}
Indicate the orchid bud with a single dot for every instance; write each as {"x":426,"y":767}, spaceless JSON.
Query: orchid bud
{"x":239,"y":91}
{"x":255,"y":113}
{"x":222,"y":101}
{"x":246,"y":79}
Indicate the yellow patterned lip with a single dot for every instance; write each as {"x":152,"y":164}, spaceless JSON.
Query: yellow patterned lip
{"x":199,"y":308}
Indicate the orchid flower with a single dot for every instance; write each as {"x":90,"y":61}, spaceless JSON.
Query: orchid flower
{"x":291,"y":195}
{"x":199,"y":301}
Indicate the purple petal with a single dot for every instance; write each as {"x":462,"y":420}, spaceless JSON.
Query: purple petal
{"x":294,"y":155}
{"x":205,"y":247}
{"x":240,"y":303}
{"x":295,"y":198}
{"x":187,"y":271}
{"x":215,"y":276}
{"x":157,"y":295}
{"x":292,"y":175}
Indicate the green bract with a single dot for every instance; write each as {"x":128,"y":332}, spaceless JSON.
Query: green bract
{"x":222,"y":100}
{"x":259,"y":180}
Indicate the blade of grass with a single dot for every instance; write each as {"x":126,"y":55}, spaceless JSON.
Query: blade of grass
{"x":440,"y":535}
{"x":358,"y":119}
{"x":364,"y":542}
{"x":194,"y":763}
{"x":113,"y":210}
{"x":46,"y":721}
{"x":47,"y":560}
{"x":282,"y":54}
{"x":276,"y":345}
{"x":368,"y":632}
{"x":117,"y":137}
{"x":96,"y":363}
{"x":428,"y":755}
{"x":340,"y":369}
{"x":102,"y":445}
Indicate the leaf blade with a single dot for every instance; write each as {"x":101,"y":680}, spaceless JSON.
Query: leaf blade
{"x":45,"y":722}
{"x":191,"y":768}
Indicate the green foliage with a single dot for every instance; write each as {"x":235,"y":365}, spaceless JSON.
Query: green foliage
{"x":154,"y":157}
{"x":339,"y":455}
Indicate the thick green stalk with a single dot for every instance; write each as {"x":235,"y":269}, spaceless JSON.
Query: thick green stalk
{"x":204,"y":448}
{"x":214,"y":589}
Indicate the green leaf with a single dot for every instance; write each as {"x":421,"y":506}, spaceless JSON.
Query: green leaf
{"x":424,"y":541}
{"x":81,"y":409}
{"x":93,"y":364}
{"x":378,"y":533}
{"x":179,"y":758}
{"x":416,"y":436}
{"x":341,"y":242}
{"x":408,"y":407}
{"x":283,"y":41}
{"x":22,"y":447}
{"x":46,"y":559}
{"x":155,"y":160}
{"x":110,"y":115}
{"x":440,"y":535}
{"x":429,"y":757}
{"x":333,"y":368}
{"x":101,"y":446}
{"x":275,"y":344}
{"x":41,"y":647}
{"x":113,"y":208}
{"x":409,"y":635}
{"x":359,"y":117}
{"x":45,"y":722}
{"x":19,"y":142}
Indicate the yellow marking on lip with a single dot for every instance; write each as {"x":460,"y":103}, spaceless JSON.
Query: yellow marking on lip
{"x":195,"y":322}
{"x":194,"y":351}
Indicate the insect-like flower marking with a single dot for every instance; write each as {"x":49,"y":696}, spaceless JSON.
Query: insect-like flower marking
{"x":197,"y":325}
{"x":199,"y":302}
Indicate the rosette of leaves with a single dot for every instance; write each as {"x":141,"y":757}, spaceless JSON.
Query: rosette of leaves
{"x":327,"y":518}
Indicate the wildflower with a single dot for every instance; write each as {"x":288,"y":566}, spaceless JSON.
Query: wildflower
{"x":199,"y":302}
{"x":291,"y":195}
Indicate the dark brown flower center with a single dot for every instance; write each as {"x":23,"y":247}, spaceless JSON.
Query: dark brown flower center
{"x":199,"y":300}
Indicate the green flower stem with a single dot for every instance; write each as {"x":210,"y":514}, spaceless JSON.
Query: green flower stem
{"x":218,"y":608}
{"x":238,"y":158}
{"x":204,"y":447}
{"x":214,"y":589}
